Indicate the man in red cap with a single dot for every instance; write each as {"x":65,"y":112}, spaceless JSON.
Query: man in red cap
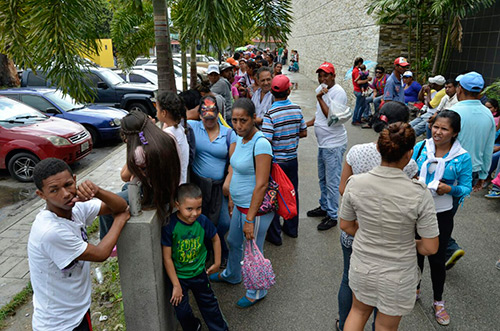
{"x":332,"y":143}
{"x":283,"y":125}
{"x":394,"y":90}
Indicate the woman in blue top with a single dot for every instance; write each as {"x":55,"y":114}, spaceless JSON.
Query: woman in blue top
{"x":247,"y":186}
{"x":214,"y":144}
{"x":446,"y":168}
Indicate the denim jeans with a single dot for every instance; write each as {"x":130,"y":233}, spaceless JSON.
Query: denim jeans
{"x":360,"y":107}
{"x":236,"y":240}
{"x":329,"y":170}
{"x":494,"y":162}
{"x":419,"y":124}
{"x":291,"y":226}
{"x":376,"y":102}
{"x":106,"y":221}
{"x":345,"y":293}
{"x":223,"y":227}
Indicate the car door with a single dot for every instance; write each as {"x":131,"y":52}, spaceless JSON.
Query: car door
{"x":105,"y":96}
{"x":40,"y":103}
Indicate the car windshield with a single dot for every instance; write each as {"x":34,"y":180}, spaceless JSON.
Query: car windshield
{"x":11,"y":110}
{"x":65,"y":102}
{"x":112,"y":77}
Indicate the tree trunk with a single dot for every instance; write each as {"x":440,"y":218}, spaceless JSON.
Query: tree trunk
{"x":184,"y":66}
{"x":8,"y":72}
{"x":439,"y":49}
{"x":166,"y":79}
{"x":193,"y":65}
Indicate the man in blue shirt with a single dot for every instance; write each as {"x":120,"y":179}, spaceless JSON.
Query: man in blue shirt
{"x":477,"y":136}
{"x":393,"y":88}
{"x":283,"y":126}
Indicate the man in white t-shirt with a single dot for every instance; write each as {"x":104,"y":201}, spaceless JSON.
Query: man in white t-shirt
{"x":58,"y":248}
{"x":332,"y":143}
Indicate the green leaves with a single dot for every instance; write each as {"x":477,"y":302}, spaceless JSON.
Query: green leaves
{"x":52,"y":36}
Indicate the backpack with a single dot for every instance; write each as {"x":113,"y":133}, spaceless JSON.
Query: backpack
{"x":287,"y":200}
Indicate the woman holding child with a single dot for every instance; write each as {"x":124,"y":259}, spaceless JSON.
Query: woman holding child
{"x":384,"y":223}
{"x":247,"y":181}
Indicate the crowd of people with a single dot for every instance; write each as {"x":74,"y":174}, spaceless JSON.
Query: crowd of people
{"x":205,"y":168}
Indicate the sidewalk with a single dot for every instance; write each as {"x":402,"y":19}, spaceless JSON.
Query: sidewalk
{"x":309,"y":269}
{"x":14,"y":231}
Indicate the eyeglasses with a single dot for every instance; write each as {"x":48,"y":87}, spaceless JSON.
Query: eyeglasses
{"x":378,"y":72}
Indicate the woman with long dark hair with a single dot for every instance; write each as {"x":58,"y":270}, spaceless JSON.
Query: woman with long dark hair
{"x":446,"y":168}
{"x":361,"y":105}
{"x":384,"y":210}
{"x":152,"y":157}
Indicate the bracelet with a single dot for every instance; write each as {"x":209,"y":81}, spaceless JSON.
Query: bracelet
{"x":249,"y":222}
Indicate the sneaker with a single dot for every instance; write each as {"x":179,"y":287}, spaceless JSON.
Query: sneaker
{"x":316,"y":212}
{"x":493,"y":195}
{"x":366,"y":126}
{"x":454,"y":258}
{"x":327,"y":223}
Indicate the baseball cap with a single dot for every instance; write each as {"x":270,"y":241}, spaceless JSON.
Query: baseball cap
{"x":440,"y":80}
{"x":472,"y":81}
{"x":232,"y":62}
{"x":280,"y":83}
{"x":213,"y":68}
{"x":326,"y":67}
{"x":224,"y":66}
{"x":401,"y":61}
{"x":408,"y":74}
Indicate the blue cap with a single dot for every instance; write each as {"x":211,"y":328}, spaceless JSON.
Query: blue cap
{"x":471,"y":81}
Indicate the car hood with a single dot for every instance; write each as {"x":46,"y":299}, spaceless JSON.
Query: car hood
{"x":130,"y":87}
{"x":106,"y":113}
{"x":51,"y":126}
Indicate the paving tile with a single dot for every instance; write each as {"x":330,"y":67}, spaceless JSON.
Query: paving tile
{"x":14,"y":233}
{"x":9,"y":287}
{"x":8,"y":264}
{"x":19,"y":271}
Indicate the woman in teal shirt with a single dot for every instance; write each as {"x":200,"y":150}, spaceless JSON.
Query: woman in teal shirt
{"x":446,"y":168}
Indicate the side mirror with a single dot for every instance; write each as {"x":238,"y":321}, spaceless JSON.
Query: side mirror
{"x":52,"y":111}
{"x":102,"y":85}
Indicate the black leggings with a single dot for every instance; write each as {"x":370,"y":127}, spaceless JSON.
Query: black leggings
{"x":437,"y":261}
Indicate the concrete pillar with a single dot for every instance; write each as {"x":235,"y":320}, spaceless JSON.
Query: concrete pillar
{"x":142,"y":275}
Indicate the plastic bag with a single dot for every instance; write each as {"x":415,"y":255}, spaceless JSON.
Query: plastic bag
{"x":257,"y":271}
{"x":338,"y":113}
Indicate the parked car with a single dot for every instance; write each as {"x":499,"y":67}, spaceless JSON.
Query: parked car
{"x":28,"y":136}
{"x":201,"y":59}
{"x":147,"y":74}
{"x":103,"y":123}
{"x":201,"y":67}
{"x":111,"y":89}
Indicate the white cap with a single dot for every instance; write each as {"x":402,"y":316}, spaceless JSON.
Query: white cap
{"x":440,"y":80}
{"x":408,"y":74}
{"x":213,"y":68}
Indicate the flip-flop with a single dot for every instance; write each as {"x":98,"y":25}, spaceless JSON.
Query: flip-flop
{"x":245,"y":303}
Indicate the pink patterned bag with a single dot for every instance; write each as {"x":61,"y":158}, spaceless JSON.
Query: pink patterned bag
{"x":257,"y":271}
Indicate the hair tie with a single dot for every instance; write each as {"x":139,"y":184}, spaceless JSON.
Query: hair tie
{"x":384,"y":118}
{"x":142,"y":138}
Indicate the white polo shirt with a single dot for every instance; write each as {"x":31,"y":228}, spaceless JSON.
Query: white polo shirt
{"x":335,"y":135}
{"x":61,"y":284}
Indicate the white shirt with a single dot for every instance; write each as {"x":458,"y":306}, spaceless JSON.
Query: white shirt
{"x":335,"y":135}
{"x":183,"y":148}
{"x":261,"y":107}
{"x":447,"y":102}
{"x":61,"y":284}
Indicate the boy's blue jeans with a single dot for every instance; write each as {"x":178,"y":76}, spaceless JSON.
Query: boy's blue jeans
{"x":329,"y":170}
{"x":207,"y":304}
{"x":236,"y":239}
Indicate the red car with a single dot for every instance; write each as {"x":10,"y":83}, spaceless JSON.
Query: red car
{"x":28,"y":136}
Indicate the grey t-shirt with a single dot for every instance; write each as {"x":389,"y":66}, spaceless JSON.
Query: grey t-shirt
{"x":223,"y":88}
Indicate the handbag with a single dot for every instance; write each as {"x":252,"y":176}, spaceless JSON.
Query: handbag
{"x":270,"y":200}
{"x":257,"y":271}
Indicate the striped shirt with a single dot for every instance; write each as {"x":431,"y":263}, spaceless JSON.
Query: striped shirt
{"x":281,"y":126}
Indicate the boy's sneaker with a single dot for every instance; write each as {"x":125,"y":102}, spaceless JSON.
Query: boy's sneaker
{"x":316,"y":212}
{"x":327,"y":223}
{"x":493,"y":195}
{"x":454,"y":258}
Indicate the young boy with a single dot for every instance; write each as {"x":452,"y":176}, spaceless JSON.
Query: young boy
{"x":184,"y":255}
{"x":363,"y":75}
{"x":58,"y":250}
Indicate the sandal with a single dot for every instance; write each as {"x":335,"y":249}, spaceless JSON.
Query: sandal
{"x":441,"y":315}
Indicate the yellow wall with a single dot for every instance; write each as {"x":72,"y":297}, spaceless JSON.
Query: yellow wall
{"x":105,"y":57}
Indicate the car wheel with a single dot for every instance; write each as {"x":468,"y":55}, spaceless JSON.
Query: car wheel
{"x":138,"y":106}
{"x":21,"y":166}
{"x":94,"y":134}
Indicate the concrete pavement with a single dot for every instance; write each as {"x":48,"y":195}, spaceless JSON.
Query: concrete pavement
{"x":309,"y":268}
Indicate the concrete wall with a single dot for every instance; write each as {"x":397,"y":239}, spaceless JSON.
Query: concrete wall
{"x":336,"y":31}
